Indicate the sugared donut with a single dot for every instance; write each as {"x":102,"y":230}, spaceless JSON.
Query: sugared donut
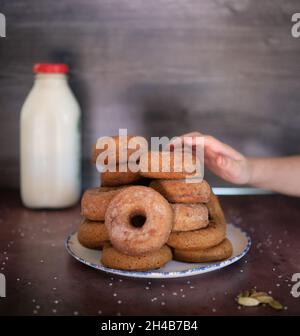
{"x":205,"y":238}
{"x":95,"y":201}
{"x":219,"y":252}
{"x":214,"y":208}
{"x":120,"y":142}
{"x":119,"y":177}
{"x":92,"y":234}
{"x":163,"y":165}
{"x":179,"y":191}
{"x":114,"y":259}
{"x":139,"y":220}
{"x":189,"y":217}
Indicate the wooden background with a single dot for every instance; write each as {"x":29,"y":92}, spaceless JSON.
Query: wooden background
{"x":163,"y":67}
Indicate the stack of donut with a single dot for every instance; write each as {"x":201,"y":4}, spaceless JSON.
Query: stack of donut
{"x":145,"y":225}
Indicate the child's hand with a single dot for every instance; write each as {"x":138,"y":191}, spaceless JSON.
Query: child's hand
{"x":222,"y":159}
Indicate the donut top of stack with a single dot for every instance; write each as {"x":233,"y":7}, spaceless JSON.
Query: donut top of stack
{"x":118,"y":158}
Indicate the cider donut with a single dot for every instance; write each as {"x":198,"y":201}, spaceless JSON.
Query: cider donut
{"x":179,"y":191}
{"x":189,"y":217}
{"x":219,"y":252}
{"x":95,"y":201}
{"x":127,"y":208}
{"x":114,"y":259}
{"x":121,"y":142}
{"x":205,"y":238}
{"x":214,"y":209}
{"x":165,"y":165}
{"x":92,"y":234}
{"x":118,"y":178}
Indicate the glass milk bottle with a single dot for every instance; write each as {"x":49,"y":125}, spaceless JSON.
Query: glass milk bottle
{"x":50,"y":141}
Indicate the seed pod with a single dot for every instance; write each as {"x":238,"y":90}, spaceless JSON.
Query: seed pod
{"x":275,"y":304}
{"x":247,"y":301}
{"x":263,"y":298}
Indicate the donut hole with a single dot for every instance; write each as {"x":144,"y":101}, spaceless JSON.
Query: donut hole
{"x":138,"y":220}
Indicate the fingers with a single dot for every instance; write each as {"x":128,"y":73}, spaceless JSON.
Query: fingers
{"x":214,"y":162}
{"x":211,"y":145}
{"x":219,"y":157}
{"x":219,"y":165}
{"x":229,"y":169}
{"x":188,"y":139}
{"x":219,"y":147}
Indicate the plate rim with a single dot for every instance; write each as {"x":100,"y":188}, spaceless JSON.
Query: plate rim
{"x":171,"y":274}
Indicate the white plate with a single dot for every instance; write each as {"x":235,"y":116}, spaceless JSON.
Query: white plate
{"x":241,"y":243}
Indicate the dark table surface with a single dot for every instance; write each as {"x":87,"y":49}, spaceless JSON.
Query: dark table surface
{"x":42,"y":279}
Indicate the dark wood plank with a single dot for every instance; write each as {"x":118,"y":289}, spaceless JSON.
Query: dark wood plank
{"x":226,"y":67}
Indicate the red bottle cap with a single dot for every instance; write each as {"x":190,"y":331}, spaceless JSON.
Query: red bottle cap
{"x":51,"y":68}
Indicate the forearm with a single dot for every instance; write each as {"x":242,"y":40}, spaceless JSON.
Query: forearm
{"x":278,"y":174}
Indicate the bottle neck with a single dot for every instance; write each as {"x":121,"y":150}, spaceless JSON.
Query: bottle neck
{"x":50,"y":80}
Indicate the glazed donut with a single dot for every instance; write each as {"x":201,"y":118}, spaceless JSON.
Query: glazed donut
{"x":121,"y":143}
{"x":92,"y":234}
{"x":179,"y":191}
{"x":139,"y":220}
{"x":117,"y":178}
{"x":219,"y":252}
{"x":167,"y":167}
{"x":189,"y":217}
{"x":95,"y":201}
{"x":114,"y":259}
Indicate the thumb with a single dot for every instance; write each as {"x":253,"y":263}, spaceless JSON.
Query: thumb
{"x":230,"y":169}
